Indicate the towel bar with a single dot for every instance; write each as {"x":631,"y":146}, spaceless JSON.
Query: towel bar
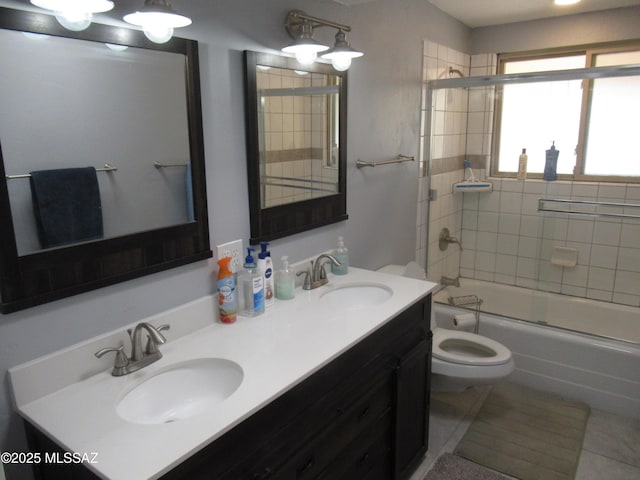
{"x":398,"y":159}
{"x":107,"y":168}
{"x":585,"y":207}
{"x":168,"y":165}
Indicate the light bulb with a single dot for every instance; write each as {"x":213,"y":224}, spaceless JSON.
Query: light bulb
{"x":116,"y":48}
{"x":341,"y":63}
{"x":74,"y":20}
{"x":158,"y":34}
{"x":306,"y":57}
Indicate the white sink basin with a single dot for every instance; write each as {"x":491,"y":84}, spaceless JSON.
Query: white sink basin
{"x":182,"y":391}
{"x":353,"y":296}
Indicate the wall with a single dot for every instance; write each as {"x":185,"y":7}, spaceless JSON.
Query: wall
{"x":595,"y":27}
{"x":448,"y":137}
{"x":383,"y":120}
{"x":504,"y":237}
{"x":136,"y":197}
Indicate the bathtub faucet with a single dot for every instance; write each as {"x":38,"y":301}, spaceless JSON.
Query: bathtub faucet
{"x":448,"y":281}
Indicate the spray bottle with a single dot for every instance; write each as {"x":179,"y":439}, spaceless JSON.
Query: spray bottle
{"x":227,"y":299}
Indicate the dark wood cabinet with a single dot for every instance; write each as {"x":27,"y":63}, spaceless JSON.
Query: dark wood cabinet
{"x":363,"y":416}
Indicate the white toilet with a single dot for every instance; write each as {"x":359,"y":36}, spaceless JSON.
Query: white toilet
{"x":460,"y":359}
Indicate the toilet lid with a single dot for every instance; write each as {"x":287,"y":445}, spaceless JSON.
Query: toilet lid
{"x":468,"y":348}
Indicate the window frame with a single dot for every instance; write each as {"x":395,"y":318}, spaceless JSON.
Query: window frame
{"x":590,"y":52}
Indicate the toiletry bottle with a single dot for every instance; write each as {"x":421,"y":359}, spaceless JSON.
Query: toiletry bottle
{"x":252,"y":287}
{"x":285,"y":281}
{"x":265,"y":266}
{"x":342,"y":255}
{"x":227,"y":299}
{"x":551,"y":163}
{"x":522,"y":165}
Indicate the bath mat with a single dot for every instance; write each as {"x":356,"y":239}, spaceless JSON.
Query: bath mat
{"x":526,"y":434}
{"x":452,"y":467}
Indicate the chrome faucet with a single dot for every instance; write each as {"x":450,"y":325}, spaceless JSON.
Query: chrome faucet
{"x":139,"y":358}
{"x":316,"y":276}
{"x":448,"y":281}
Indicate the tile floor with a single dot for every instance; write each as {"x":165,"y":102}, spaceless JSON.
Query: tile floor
{"x":611,"y":448}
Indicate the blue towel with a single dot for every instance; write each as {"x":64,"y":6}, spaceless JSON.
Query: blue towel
{"x":66,"y":204}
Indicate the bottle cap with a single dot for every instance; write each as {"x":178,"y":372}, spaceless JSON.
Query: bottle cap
{"x":341,"y":241}
{"x":264,"y":252}
{"x":249,"y":261}
{"x":524,"y":150}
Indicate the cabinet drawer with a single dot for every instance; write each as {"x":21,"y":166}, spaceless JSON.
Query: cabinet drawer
{"x":366,"y":457}
{"x":351,"y":406}
{"x":329,"y":445}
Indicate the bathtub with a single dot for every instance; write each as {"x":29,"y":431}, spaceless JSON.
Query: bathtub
{"x":550,"y":353}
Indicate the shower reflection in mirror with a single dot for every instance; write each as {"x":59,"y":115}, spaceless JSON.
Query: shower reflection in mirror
{"x":298,"y":125}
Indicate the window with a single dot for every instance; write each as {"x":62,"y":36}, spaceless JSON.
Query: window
{"x":591,"y":123}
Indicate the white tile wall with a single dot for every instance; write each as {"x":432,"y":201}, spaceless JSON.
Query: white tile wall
{"x":448,"y":135}
{"x":505,"y":239}
{"x":520,"y":253}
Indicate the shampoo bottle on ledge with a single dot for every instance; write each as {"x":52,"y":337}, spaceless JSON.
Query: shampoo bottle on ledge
{"x":522,"y":165}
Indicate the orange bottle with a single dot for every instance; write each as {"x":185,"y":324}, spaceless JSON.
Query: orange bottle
{"x":227,"y":299}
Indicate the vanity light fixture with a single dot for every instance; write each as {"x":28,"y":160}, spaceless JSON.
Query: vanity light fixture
{"x":341,"y":54}
{"x":565,"y":2}
{"x":300,"y":27}
{"x":75,"y":15}
{"x":157,"y":20}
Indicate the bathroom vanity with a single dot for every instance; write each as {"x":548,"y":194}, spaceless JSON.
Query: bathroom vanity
{"x":325,"y":393}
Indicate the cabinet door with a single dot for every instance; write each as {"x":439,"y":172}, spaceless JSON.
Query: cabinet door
{"x":412,"y":407}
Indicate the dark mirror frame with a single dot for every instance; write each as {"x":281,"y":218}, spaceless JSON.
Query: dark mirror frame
{"x":48,"y":275}
{"x":287,"y":219}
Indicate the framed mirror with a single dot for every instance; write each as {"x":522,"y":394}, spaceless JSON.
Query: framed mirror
{"x":108,"y":101}
{"x":296,"y":121}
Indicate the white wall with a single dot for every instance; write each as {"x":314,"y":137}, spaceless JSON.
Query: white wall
{"x":383,"y":120}
{"x":595,"y":27}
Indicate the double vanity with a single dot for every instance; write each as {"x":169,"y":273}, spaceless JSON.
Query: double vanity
{"x":333,"y":384}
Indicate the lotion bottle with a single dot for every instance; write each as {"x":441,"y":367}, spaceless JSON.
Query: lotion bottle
{"x":265,"y":266}
{"x":342,"y":255}
{"x":227,"y":299}
{"x":285,"y":281}
{"x":252,"y":283}
{"x":522,"y":165}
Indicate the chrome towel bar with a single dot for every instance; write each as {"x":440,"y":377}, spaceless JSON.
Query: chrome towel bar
{"x":591,"y":208}
{"x":107,"y":168}
{"x":398,"y":159}
{"x":168,"y":165}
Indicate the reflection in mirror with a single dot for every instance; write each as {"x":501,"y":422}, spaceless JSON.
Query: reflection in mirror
{"x":69,"y":104}
{"x":296,"y":145}
{"x":298,"y":134}
{"x":84,"y":104}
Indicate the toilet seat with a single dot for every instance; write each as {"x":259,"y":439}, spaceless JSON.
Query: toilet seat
{"x":468,"y":348}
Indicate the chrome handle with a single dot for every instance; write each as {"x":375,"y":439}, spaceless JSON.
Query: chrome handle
{"x":121,"y":361}
{"x":152,"y":347}
{"x":307,"y":278}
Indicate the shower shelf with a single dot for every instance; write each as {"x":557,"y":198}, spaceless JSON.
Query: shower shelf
{"x":591,"y":208}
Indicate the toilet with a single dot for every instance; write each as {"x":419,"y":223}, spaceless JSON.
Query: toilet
{"x":460,"y":359}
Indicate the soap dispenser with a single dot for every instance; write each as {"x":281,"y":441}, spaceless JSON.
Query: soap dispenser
{"x":252,"y":285}
{"x":285,"y":281}
{"x":342,"y":255}
{"x":265,"y":266}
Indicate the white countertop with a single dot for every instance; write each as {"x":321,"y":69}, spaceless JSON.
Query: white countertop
{"x":276,"y":350}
